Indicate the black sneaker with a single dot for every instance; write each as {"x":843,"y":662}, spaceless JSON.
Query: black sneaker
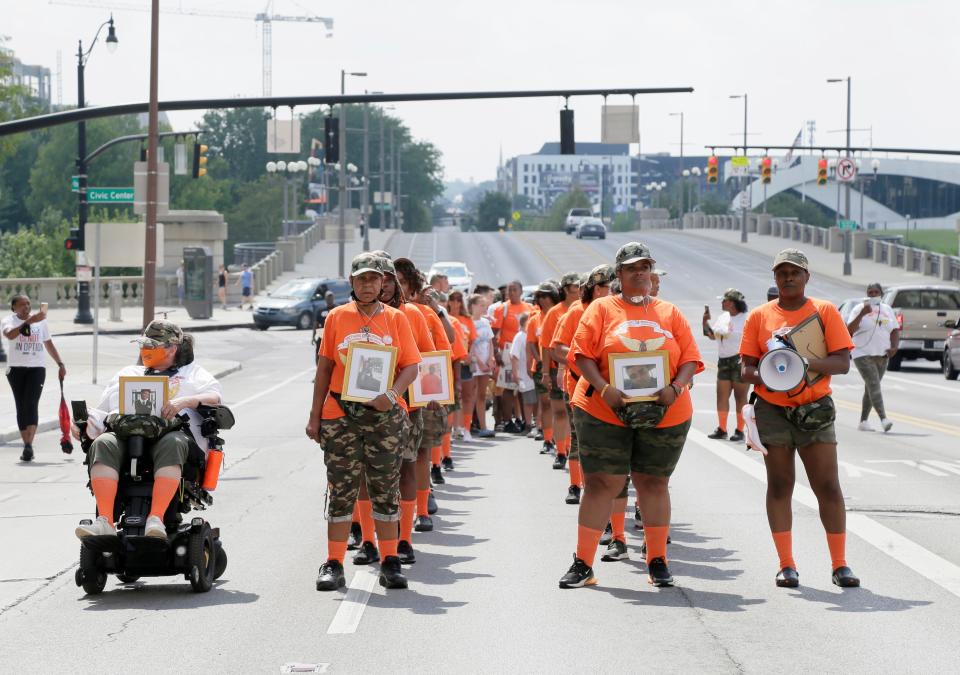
{"x":511,"y":427}
{"x":331,"y":576}
{"x":845,"y":578}
{"x":737,"y":436}
{"x":355,"y":538}
{"x":579,"y":575}
{"x":607,"y":535}
{"x":367,"y":554}
{"x":560,"y":462}
{"x":424,"y":524}
{"x":658,"y":573}
{"x":390,"y":574}
{"x":436,"y":475}
{"x":405,"y":552}
{"x":431,"y":503}
{"x":637,"y":518}
{"x":549,"y":447}
{"x":718,"y":434}
{"x":27,"y":454}
{"x":788,"y":578}
{"x":616,"y":550}
{"x":573,"y":495}
{"x":447,"y":463}
{"x":539,"y":436}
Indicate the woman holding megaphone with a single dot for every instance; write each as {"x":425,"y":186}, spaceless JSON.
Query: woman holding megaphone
{"x":798,"y":420}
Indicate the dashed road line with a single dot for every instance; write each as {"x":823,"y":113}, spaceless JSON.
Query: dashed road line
{"x":348,"y":615}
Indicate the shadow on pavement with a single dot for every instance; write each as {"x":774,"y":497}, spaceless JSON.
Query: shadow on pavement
{"x":162,"y":597}
{"x":683,"y":598}
{"x":857,"y":600}
{"x":417,"y":603}
{"x":437,"y":570}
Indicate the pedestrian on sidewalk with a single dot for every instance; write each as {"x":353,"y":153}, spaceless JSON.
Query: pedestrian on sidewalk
{"x":222,"y":286}
{"x":245,"y":282}
{"x":28,"y":337}
{"x":876,"y":338}
{"x":181,"y":284}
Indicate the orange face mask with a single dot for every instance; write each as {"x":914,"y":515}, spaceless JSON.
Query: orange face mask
{"x":153,"y":356}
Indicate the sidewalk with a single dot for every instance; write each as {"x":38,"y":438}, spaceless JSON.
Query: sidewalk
{"x":822,"y":262}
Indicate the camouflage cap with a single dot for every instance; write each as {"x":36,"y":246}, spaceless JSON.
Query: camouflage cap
{"x":365,"y":262}
{"x":380,"y":253}
{"x":386,"y":265}
{"x":732,"y":294}
{"x":160,"y":333}
{"x":570,"y":279}
{"x":793,"y":256}
{"x":632,"y":252}
{"x":547,"y":288}
{"x":601,"y":274}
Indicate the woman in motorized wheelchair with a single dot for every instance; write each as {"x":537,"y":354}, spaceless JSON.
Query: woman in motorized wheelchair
{"x":146,"y":470}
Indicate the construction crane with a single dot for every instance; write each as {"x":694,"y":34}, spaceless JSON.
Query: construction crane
{"x":265,"y":18}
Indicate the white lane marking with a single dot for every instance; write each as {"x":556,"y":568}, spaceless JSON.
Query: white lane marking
{"x":926,"y":563}
{"x":354,"y":602}
{"x":854,"y":471}
{"x":51,"y":479}
{"x":921,"y":383}
{"x":279,"y":385}
{"x":946,"y":466}
{"x":8,"y":496}
{"x":912,"y":463}
{"x":413,"y":240}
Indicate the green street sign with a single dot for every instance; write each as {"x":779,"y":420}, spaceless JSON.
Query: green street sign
{"x":110,"y":195}
{"x":74,"y":183}
{"x":847,"y":224}
{"x":382,"y":207}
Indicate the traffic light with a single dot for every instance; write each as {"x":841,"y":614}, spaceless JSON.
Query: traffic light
{"x":713,"y":175}
{"x":822,"y":171}
{"x":75,"y":241}
{"x":199,"y":160}
{"x":331,"y":140}
{"x":568,"y":144}
{"x":766,"y":169}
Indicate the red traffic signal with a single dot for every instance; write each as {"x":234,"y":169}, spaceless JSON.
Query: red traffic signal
{"x":822,"y":171}
{"x":75,"y":241}
{"x":766,"y":169}
{"x":713,"y":175}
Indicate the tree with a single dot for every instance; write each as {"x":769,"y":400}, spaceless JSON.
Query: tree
{"x":786,"y":205}
{"x":257,"y":214}
{"x":238,"y":136}
{"x":25,"y":254}
{"x":714,"y":204}
{"x":493,"y":207}
{"x":575,"y":199}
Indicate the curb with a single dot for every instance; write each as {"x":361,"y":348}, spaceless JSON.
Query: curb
{"x":51,"y":424}
{"x":187,"y":329}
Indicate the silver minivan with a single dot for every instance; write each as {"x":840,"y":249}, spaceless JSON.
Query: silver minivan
{"x":921,"y":311}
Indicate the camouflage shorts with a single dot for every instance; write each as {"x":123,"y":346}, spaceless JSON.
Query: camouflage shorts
{"x":370,"y":445}
{"x":574,"y":452}
{"x":776,"y":430}
{"x":607,"y":448}
{"x":538,"y":380}
{"x":728,"y":368}
{"x":412,"y":439}
{"x":434,"y":427}
{"x":556,"y":391}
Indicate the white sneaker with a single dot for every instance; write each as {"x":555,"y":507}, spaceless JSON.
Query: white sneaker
{"x":101,"y":526}
{"x":155,"y":528}
{"x":533,"y":432}
{"x":886,"y":424}
{"x":457,"y":434}
{"x":865,"y":426}
{"x":467,"y":437}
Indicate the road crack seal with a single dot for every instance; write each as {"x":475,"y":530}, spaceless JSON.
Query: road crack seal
{"x":716,"y":638}
{"x":47,"y":582}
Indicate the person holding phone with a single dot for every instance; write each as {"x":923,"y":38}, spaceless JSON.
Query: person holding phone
{"x":28,"y":338}
{"x":876,"y":338}
{"x":727,"y":331}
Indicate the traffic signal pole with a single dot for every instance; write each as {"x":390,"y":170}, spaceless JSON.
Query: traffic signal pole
{"x":83,"y":315}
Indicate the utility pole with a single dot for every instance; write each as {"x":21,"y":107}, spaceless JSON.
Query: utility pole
{"x":150,"y":245}
{"x":680,"y":178}
{"x":342,"y":194}
{"x":381,"y":215}
{"x":391,"y":221}
{"x":401,"y":221}
{"x":364,"y":204}
{"x":743,"y":222}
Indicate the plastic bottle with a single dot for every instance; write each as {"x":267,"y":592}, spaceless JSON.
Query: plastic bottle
{"x":212,"y":472}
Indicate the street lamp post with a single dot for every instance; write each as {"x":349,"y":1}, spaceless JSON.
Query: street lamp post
{"x":681,"y":170}
{"x":743,"y":222}
{"x":342,"y":127}
{"x":847,"y":268}
{"x":364,"y":203}
{"x":393,"y":222}
{"x":696,"y":175}
{"x":83,"y":287}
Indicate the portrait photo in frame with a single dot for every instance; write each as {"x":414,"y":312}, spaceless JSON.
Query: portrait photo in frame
{"x":640,"y":375}
{"x":144,"y":395}
{"x":434,"y":381}
{"x":369,"y":371}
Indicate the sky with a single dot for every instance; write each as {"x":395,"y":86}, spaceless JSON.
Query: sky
{"x":900,"y":54}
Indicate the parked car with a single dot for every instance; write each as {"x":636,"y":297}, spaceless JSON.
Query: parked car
{"x":574,"y":218}
{"x":297,"y":303}
{"x":591,"y":227}
{"x":846,"y":306}
{"x":460,"y":278}
{"x":922,"y":311}
{"x":951,"y":349}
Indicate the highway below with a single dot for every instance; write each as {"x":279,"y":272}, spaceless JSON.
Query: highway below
{"x":483,"y":594}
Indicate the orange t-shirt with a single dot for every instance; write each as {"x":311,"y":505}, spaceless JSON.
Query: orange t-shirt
{"x":440,"y":340}
{"x":566,"y":328}
{"x":344,"y":325}
{"x":548,"y":327}
{"x":469,"y":329}
{"x":610,"y":325}
{"x":770,"y":319}
{"x":419,"y":327}
{"x":505,"y":320}
{"x":459,"y":346}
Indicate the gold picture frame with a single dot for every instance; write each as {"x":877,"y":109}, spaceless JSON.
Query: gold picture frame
{"x":132,"y":401}
{"x":438,"y":365}
{"x":369,"y":371}
{"x":639,"y":375}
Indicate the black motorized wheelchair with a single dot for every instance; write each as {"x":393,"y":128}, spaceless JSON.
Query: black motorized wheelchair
{"x":191,"y":548}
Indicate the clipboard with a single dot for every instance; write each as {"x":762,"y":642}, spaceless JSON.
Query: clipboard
{"x":809,"y":339}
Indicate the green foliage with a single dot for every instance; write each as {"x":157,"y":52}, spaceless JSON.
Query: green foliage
{"x":939,"y":241}
{"x":239,"y":137}
{"x":714,"y":204}
{"x":418,"y":218}
{"x":786,"y":205}
{"x":625,"y":222}
{"x":493,"y":207}
{"x":26,"y":254}
{"x":557,"y":218}
{"x":257,"y":214}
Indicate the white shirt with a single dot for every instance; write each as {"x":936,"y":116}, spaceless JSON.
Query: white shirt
{"x":26,"y":351}
{"x":190,"y":380}
{"x":872,"y":337}
{"x":518,"y":351}
{"x":482,"y":348}
{"x":729,"y":332}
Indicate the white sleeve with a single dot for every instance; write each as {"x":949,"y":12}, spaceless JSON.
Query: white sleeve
{"x":109,"y":403}
{"x":44,"y":331}
{"x":204,"y":383}
{"x":854,"y":312}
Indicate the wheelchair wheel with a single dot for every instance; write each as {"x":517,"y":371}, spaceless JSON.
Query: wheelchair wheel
{"x":221,"y":566}
{"x":203,"y":560}
{"x":89,"y":576}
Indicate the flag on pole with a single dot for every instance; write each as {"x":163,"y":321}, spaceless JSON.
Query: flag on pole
{"x":796,"y":144}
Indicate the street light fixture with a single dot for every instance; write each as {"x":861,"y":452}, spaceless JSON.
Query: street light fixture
{"x":743,"y":222}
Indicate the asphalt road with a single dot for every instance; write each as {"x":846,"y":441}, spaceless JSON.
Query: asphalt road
{"x":483,"y":593}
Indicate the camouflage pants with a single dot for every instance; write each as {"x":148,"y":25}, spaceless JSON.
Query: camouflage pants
{"x":574,"y":452}
{"x":434,"y":427}
{"x":608,"y":448}
{"x":370,"y":445}
{"x":412,"y":439}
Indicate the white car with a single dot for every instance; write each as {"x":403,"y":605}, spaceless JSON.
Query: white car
{"x":460,"y":278}
{"x":574,"y":218}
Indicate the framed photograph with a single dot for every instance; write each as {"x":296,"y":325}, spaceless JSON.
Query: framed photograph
{"x":434,"y":380}
{"x":145,"y":395}
{"x":369,"y":371}
{"x":640,"y":375}
{"x":809,"y":339}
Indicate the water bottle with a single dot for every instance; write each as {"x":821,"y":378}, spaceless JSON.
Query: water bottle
{"x":212,"y":472}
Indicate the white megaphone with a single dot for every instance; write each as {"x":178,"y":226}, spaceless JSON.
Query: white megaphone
{"x":781,"y":368}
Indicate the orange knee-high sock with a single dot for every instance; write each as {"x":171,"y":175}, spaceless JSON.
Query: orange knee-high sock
{"x":163,"y":490}
{"x":837,"y":543}
{"x":423,"y":500}
{"x":576,"y":473}
{"x":656,"y":540}
{"x":446,"y":445}
{"x":105,"y":492}
{"x":356,"y":514}
{"x":617,"y":521}
{"x":548,"y":435}
{"x":722,"y":420}
{"x":408,"y":511}
{"x":739,"y":422}
{"x":388,"y":547}
{"x":587,"y":541}
{"x":784,"y":543}
{"x":563,"y":444}
{"x":336,"y":550}
{"x":365,"y":507}
{"x":436,"y":454}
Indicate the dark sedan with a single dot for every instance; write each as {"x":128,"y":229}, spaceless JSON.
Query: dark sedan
{"x":299,"y":302}
{"x":592,"y":227}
